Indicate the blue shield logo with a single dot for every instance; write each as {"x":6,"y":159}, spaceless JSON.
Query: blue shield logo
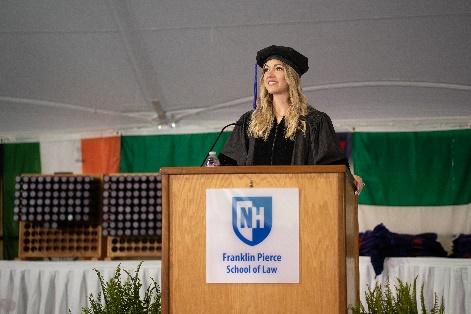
{"x":252,"y":218}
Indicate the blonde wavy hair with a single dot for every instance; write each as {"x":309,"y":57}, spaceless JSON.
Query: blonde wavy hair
{"x":262,"y":118}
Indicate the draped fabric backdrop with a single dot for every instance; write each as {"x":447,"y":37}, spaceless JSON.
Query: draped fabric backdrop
{"x":61,"y":156}
{"x":415,"y":168}
{"x":150,"y":153}
{"x":17,"y":159}
{"x":415,"y":181}
{"x":101,"y":155}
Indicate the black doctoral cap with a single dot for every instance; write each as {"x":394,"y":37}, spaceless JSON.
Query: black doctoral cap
{"x":286,"y":54}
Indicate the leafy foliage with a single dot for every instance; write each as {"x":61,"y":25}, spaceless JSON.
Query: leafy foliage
{"x":382,"y":301}
{"x":123,"y":297}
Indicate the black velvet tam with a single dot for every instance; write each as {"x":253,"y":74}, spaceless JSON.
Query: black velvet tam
{"x":286,"y":54}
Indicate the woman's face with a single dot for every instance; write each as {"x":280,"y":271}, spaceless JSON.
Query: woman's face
{"x":274,"y":77}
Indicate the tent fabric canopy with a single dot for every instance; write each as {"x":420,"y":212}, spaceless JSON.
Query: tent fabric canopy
{"x":132,"y":66}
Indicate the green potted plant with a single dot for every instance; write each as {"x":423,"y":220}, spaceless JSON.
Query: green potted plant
{"x":381,"y":300}
{"x":123,"y":297}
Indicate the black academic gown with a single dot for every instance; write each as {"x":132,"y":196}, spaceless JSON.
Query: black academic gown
{"x":318,"y":145}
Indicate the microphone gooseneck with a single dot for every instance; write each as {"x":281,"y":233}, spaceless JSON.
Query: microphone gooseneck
{"x":217,"y":139}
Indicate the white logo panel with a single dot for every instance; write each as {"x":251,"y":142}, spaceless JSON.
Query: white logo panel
{"x":252,"y":235}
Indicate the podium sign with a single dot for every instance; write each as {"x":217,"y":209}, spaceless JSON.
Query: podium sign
{"x":252,"y":235}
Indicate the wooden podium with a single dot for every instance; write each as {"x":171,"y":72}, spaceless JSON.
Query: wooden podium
{"x":328,"y":247}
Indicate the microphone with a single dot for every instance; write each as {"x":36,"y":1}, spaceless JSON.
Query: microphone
{"x":217,"y":138}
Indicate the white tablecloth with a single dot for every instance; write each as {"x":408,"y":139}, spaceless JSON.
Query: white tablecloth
{"x":54,"y":287}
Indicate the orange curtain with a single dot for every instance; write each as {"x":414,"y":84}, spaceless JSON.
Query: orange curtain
{"x":101,"y":155}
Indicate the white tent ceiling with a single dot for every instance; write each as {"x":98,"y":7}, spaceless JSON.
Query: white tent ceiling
{"x":96,"y":65}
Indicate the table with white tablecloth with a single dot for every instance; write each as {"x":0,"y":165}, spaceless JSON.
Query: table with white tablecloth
{"x":49,"y":287}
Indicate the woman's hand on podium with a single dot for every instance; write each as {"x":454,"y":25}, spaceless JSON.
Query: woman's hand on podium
{"x":359,"y":184}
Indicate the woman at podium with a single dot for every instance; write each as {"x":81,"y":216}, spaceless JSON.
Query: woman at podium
{"x":283,"y":129}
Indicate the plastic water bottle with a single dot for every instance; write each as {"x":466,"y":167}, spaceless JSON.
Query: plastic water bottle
{"x":212,"y":160}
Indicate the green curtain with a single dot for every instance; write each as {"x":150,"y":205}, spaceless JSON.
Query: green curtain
{"x":17,"y":159}
{"x":414,"y":168}
{"x":150,"y":153}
